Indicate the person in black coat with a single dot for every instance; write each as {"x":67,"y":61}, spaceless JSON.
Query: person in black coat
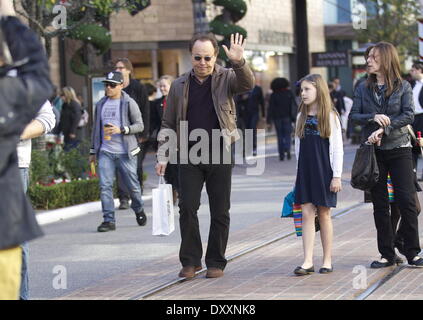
{"x":283,"y":112}
{"x":69,"y":118}
{"x":24,"y":86}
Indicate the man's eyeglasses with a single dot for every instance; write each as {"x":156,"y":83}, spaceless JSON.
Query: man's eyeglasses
{"x":198,"y":58}
{"x":110,"y":84}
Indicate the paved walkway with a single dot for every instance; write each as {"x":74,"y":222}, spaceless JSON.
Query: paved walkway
{"x":267,"y":272}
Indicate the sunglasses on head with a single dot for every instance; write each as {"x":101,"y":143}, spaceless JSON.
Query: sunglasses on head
{"x":198,"y":58}
{"x":110,"y":84}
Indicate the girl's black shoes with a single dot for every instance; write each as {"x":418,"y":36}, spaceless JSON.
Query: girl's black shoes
{"x":299,"y":271}
{"x":326,"y":270}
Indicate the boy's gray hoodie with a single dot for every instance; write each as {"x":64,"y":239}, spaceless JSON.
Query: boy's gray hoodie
{"x":131,"y":124}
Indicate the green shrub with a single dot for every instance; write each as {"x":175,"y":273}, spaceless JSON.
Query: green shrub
{"x":64,"y":194}
{"x":41,"y":170}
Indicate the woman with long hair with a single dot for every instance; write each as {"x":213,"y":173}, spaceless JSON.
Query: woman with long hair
{"x":69,"y":118}
{"x":383,"y":105}
{"x":319,"y":152}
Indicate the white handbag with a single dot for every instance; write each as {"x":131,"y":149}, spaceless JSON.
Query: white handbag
{"x":163,"y":211}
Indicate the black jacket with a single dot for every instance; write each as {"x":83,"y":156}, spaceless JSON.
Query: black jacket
{"x":282,"y":105}
{"x":398,"y":107}
{"x":69,"y":118}
{"x":137,"y":91}
{"x":156,"y":115}
{"x":22,"y":96}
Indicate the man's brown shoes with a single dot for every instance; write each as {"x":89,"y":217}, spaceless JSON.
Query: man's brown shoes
{"x":214,"y":273}
{"x":189,"y":271}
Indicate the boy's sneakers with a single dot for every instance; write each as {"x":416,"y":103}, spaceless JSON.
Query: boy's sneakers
{"x":106,"y":226}
{"x":141,"y":218}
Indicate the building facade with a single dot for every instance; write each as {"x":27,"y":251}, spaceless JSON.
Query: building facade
{"x":156,"y":40}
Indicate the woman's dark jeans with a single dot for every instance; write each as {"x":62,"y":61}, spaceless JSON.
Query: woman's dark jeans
{"x":399,"y":163}
{"x":283,"y":130}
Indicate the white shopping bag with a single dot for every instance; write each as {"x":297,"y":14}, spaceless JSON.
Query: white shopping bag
{"x":163,"y":214}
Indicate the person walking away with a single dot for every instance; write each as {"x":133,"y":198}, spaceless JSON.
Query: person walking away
{"x":69,"y":118}
{"x":318,"y":141}
{"x":117,"y":120}
{"x":384,"y":106}
{"x":43,"y":123}
{"x":204,"y":98}
{"x":137,"y":91}
{"x":283,"y":112}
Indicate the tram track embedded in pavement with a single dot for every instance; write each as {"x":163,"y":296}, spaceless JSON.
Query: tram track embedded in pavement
{"x":379,"y":283}
{"x":171,"y":283}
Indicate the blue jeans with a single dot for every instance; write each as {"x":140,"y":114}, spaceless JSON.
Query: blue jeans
{"x":107,"y":164}
{"x":24,"y":291}
{"x":283,"y":131}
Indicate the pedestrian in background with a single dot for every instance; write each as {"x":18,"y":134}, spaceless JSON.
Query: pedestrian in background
{"x":204,"y":98}
{"x":152,"y":138}
{"x":384,"y":106}
{"x":69,"y":118}
{"x":416,"y":73}
{"x":151,"y":92}
{"x":337,"y":98}
{"x":117,"y":120}
{"x":159,"y":106}
{"x":81,"y":131}
{"x":283,"y":112}
{"x":23,"y":65}
{"x":43,"y":123}
{"x":319,"y":152}
{"x":254,"y":105}
{"x":137,"y":91}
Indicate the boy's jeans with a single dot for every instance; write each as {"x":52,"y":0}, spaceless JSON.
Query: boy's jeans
{"x":107,"y":164}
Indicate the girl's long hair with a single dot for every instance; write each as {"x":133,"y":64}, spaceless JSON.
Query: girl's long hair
{"x":325,"y":107}
{"x":389,"y":66}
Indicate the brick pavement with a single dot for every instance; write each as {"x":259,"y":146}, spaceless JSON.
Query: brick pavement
{"x":267,"y":273}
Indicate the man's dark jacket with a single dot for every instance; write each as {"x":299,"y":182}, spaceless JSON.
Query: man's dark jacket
{"x":22,"y":92}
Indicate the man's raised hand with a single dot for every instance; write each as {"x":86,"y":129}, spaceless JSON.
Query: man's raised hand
{"x":236,"y":51}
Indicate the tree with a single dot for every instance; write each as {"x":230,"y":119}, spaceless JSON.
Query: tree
{"x":224,"y":24}
{"x":393,"y":21}
{"x":84,"y":20}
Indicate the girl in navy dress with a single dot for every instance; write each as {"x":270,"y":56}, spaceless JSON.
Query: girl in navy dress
{"x":319,"y":152}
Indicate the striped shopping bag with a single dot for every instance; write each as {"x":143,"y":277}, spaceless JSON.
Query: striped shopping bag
{"x":298,"y":219}
{"x":390,"y":189}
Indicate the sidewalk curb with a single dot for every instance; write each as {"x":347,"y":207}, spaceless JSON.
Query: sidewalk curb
{"x":52,"y":216}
